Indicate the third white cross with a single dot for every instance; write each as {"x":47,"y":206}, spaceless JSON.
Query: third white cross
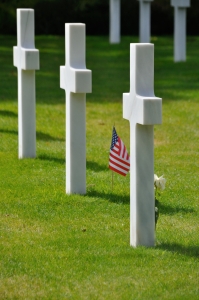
{"x":143,"y":110}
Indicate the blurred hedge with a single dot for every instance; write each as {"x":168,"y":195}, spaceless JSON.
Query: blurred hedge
{"x":50,"y":16}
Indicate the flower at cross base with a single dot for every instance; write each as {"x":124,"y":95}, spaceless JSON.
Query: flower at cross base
{"x":159,"y":184}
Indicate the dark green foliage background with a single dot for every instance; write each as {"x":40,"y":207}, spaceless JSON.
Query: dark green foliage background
{"x":50,"y":15}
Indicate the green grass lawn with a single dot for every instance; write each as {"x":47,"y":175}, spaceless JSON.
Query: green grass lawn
{"x":58,"y":246}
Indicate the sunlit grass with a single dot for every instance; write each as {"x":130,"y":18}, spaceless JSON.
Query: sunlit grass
{"x":56,"y":246}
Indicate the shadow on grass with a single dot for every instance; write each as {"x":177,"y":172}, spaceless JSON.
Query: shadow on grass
{"x":7,"y":113}
{"x":9,"y":131}
{"x":192,"y":251}
{"x":39,"y":135}
{"x":114,"y":198}
{"x":172,"y":210}
{"x":51,"y":158}
{"x":47,"y":137}
{"x":91,"y":165}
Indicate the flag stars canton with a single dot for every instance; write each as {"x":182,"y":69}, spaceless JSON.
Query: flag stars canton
{"x":114,"y":138}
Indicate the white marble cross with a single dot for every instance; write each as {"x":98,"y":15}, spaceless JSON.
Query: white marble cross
{"x":143,"y":110}
{"x":76,"y":80}
{"x":114,"y":21}
{"x":26,"y":59}
{"x":180,"y":29}
{"x":145,"y":21}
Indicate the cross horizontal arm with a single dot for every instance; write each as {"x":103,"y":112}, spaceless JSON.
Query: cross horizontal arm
{"x":144,"y":110}
{"x":26,"y":59}
{"x":74,"y":77}
{"x":76,"y":80}
{"x":180,"y":3}
{"x":25,"y":56}
{"x":140,"y":105}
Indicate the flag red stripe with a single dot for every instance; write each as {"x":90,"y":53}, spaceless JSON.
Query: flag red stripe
{"x":122,"y":169}
{"x":121,"y":150}
{"x":117,"y":171}
{"x":120,"y":165}
{"x":119,"y":159}
{"x":116,"y":149}
{"x":119,"y":153}
{"x":120,"y":146}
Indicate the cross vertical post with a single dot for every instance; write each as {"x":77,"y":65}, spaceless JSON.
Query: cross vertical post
{"x":75,"y":79}
{"x":114,"y":21}
{"x":180,"y":29}
{"x":26,"y":59}
{"x":145,"y":21}
{"x":143,"y":110}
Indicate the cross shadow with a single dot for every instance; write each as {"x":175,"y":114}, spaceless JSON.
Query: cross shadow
{"x":39,"y":135}
{"x":192,"y":251}
{"x":47,"y":137}
{"x":9,"y":131}
{"x":172,"y":210}
{"x":114,"y":198}
{"x":8,"y":113}
{"x":51,"y":158}
{"x":94,"y":166}
{"x":89,"y":165}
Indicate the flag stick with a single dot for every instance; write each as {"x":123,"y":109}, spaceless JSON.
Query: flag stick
{"x":112,"y":181}
{"x":112,"y":171}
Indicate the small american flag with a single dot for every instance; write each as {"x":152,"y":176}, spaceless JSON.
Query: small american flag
{"x":119,"y":160}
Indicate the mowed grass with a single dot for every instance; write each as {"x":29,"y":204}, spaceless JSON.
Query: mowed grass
{"x":58,"y":246}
